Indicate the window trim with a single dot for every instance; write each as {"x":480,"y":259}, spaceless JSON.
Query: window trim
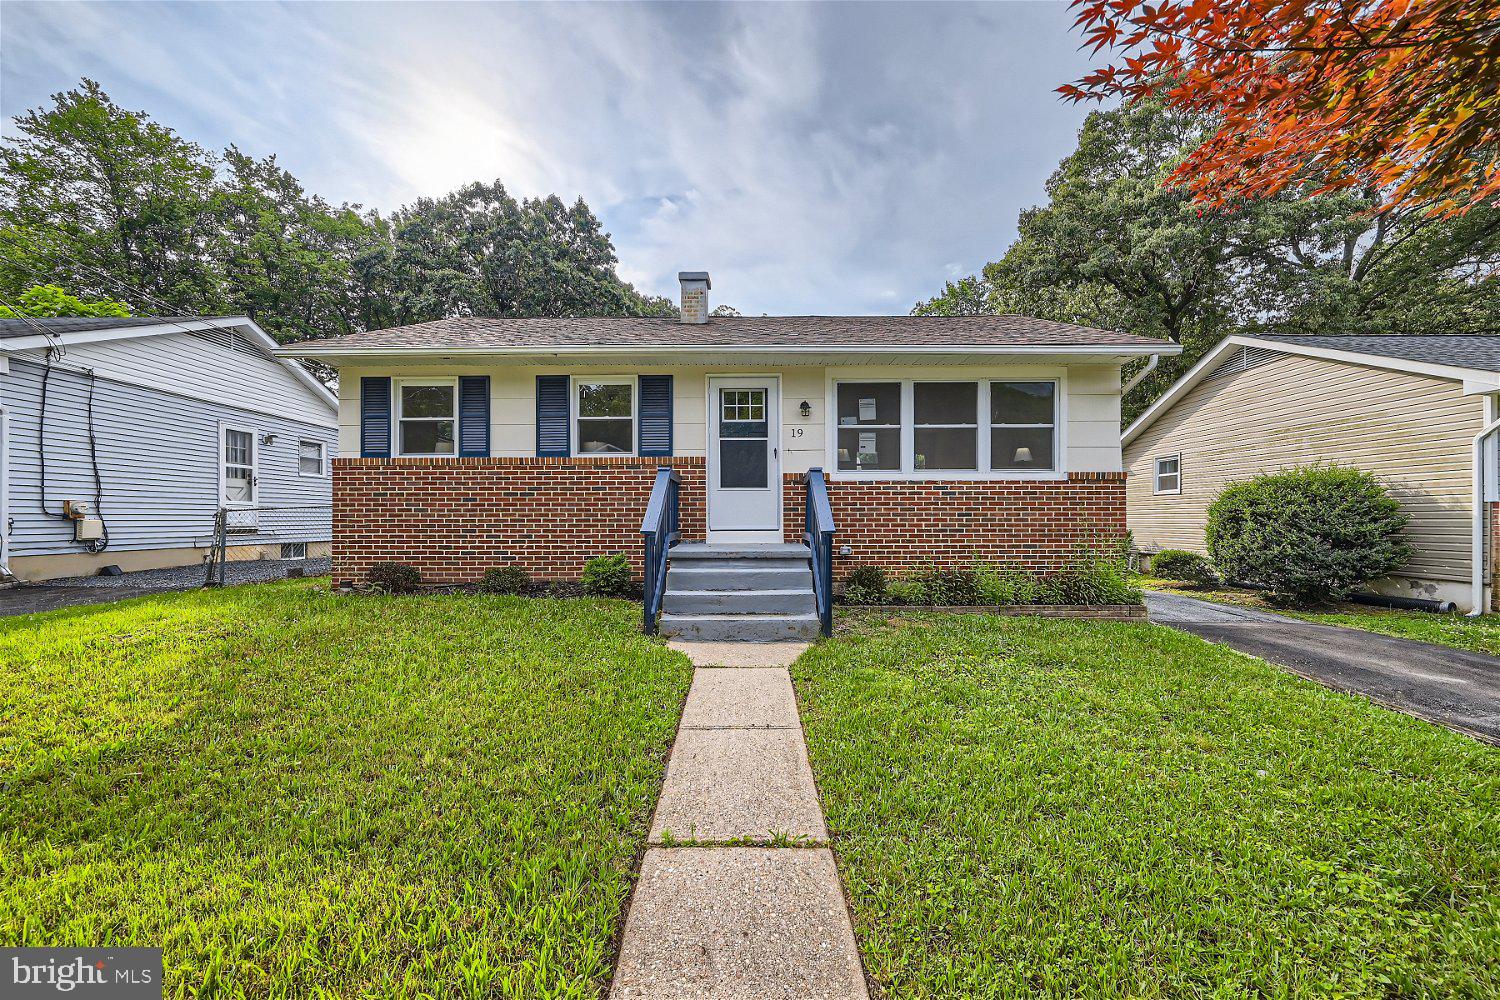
{"x":1156,"y":475}
{"x":982,"y":376}
{"x":575,"y":414}
{"x":254,"y":466}
{"x":322,"y":459}
{"x":397,"y":417}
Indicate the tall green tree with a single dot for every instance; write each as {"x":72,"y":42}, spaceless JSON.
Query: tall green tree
{"x":50,"y":300}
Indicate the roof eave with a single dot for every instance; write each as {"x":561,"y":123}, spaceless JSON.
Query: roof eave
{"x":331,"y":351}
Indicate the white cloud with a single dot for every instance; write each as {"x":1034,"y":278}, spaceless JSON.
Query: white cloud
{"x":815,"y":158}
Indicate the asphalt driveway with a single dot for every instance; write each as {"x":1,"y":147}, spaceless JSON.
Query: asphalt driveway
{"x":1454,"y":687}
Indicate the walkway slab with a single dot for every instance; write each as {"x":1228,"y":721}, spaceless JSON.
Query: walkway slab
{"x":756,"y":698}
{"x":738,"y":924}
{"x":739,"y":654}
{"x":727,"y":784}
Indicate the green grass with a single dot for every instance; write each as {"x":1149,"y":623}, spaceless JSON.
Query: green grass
{"x":302,"y":794}
{"x":1092,"y":809}
{"x":1478,"y":635}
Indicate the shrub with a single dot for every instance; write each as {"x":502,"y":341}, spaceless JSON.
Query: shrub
{"x":906,"y":592}
{"x":866,"y":585}
{"x":395,"y":578}
{"x":1179,"y":564}
{"x":1004,"y":586}
{"x":608,"y":576}
{"x":1089,"y":581}
{"x":949,"y":587}
{"x":1305,"y":534}
{"x":505,"y":580}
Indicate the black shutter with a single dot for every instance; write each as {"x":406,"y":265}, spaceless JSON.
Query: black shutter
{"x":474,"y":416}
{"x":656,"y":416}
{"x":375,"y":417}
{"x":552,"y":408}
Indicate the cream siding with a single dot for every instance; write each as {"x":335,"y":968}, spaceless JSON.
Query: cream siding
{"x":1091,"y":404}
{"x":1412,"y":431}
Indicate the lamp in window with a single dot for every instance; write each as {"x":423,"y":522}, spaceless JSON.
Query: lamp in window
{"x":806,"y":409}
{"x":1022,"y":456}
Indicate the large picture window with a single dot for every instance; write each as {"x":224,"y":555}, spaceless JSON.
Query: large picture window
{"x":922,"y":428}
{"x":606,"y":416}
{"x":427,"y":416}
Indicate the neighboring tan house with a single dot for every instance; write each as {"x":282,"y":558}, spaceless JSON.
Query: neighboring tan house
{"x":537,"y":442}
{"x":120,"y":440}
{"x":1406,"y":408}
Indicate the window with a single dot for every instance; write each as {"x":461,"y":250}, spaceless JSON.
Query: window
{"x":427,"y":416}
{"x":1023,"y":426}
{"x":1168,"y":478}
{"x":310,"y":458}
{"x":606,"y":416}
{"x":869,"y":425}
{"x":239,"y":466}
{"x":946,"y":426}
{"x":926,"y":429}
{"x":294,"y":550}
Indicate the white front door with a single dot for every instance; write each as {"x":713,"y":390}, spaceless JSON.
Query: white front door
{"x":744,"y":458}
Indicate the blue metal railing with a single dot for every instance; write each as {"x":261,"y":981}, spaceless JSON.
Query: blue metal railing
{"x":819,"y":538}
{"x":659,"y":529}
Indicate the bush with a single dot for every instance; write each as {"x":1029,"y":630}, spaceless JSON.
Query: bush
{"x":906,"y":592}
{"x":1004,"y":586}
{"x":866,"y":585}
{"x":1306,"y":534}
{"x":1179,"y":564}
{"x":948,"y":587}
{"x":1089,"y":581}
{"x":608,"y":576}
{"x":505,"y":580}
{"x":395,"y":578}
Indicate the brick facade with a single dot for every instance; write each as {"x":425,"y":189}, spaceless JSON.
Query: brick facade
{"x":455,"y":518}
{"x":907,"y":525}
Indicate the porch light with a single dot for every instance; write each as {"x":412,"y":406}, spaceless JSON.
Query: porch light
{"x":1022,"y":456}
{"x":806,"y":409}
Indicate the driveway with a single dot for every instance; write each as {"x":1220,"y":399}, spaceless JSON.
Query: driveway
{"x":1453,"y":687}
{"x":28,"y":598}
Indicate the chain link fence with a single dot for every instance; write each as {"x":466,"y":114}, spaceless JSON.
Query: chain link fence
{"x":259,"y":534}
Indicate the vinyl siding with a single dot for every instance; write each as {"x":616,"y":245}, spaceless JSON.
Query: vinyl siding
{"x":158,"y":458}
{"x":1411,"y":431}
{"x":1091,"y":435}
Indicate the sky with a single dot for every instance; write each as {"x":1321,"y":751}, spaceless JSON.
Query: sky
{"x":822,"y":158}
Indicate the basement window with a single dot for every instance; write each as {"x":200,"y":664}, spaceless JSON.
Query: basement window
{"x":1167,"y":480}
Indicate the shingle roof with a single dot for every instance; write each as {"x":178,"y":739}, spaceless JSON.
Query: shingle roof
{"x":1478,"y":351}
{"x":738,"y":331}
{"x":78,"y":324}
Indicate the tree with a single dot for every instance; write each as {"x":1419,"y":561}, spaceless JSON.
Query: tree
{"x":107,"y":202}
{"x":49,"y":300}
{"x":1393,"y":95}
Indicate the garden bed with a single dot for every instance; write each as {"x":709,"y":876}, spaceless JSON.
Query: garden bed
{"x":1098,"y":612}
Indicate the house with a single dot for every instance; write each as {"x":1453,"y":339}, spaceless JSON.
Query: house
{"x":536,"y":442}
{"x":1409,"y":409}
{"x":120,"y":439}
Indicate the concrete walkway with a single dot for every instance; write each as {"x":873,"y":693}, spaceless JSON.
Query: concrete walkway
{"x":719,"y":913}
{"x":1452,"y":687}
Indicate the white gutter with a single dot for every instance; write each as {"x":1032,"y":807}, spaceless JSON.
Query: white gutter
{"x":1140,"y":375}
{"x":1477,"y":581}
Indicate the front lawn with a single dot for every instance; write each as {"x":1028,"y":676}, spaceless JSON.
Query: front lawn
{"x":1478,"y":635}
{"x":298,"y":793}
{"x":1066,"y":808}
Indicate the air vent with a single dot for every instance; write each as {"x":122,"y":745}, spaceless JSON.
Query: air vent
{"x":230,"y":339}
{"x":1243,"y":360}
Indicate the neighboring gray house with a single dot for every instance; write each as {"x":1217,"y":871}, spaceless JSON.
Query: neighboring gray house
{"x":1419,"y":412}
{"x":152,"y":424}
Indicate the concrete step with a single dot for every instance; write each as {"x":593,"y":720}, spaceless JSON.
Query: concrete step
{"x":701,"y":550}
{"x":737,"y":576}
{"x":743,"y":602}
{"x":740,"y":628}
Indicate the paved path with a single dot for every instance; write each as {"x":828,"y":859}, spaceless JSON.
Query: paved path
{"x":1450,"y":686}
{"x":726,"y":916}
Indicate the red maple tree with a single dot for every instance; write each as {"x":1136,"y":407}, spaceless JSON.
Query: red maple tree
{"x":1402,"y":96}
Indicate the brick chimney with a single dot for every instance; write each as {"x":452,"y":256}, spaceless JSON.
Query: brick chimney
{"x":695,"y":286}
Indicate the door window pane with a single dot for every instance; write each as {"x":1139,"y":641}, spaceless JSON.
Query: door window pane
{"x":1021,"y":449}
{"x":736,"y":405}
{"x":238,"y":446}
{"x":742,"y":463}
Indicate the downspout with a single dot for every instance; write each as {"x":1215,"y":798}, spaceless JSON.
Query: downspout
{"x":1140,"y":375}
{"x":1481,"y":513}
